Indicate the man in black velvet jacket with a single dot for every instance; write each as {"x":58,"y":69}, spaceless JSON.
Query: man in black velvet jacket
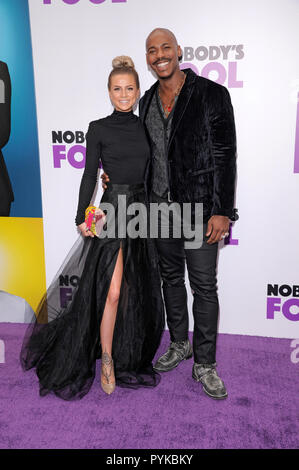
{"x":6,"y":192}
{"x":190,"y":124}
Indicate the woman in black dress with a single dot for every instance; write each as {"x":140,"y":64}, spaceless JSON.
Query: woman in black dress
{"x":116,"y":310}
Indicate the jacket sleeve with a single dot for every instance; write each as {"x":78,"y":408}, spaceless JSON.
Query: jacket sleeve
{"x":90,"y":175}
{"x":223,"y":137}
{"x":5,"y":100}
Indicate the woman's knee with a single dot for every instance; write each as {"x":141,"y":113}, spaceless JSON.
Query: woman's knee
{"x":113,"y":295}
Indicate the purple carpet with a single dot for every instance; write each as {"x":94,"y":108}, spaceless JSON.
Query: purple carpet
{"x":261,"y":412}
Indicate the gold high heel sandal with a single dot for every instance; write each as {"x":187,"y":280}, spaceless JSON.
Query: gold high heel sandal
{"x":107,"y":362}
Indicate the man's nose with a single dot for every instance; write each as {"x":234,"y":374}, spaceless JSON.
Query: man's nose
{"x":160,"y":53}
{"x":160,"y":58}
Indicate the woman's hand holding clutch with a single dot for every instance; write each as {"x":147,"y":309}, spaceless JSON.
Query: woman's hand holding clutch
{"x":85,"y":231}
{"x":94,"y":220}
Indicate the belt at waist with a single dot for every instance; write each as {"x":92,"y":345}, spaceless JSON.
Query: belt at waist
{"x":139,"y":187}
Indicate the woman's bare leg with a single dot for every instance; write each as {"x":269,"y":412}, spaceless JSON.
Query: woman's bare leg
{"x":108,"y":320}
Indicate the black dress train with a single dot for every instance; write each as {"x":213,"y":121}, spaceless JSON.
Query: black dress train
{"x":63,"y":342}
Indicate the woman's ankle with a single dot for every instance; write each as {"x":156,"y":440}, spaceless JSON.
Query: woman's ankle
{"x":107,"y":368}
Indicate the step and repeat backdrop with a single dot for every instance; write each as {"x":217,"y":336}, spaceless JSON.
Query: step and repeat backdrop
{"x":251,"y":47}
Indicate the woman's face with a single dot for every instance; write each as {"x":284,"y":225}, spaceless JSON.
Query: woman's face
{"x":123,"y":91}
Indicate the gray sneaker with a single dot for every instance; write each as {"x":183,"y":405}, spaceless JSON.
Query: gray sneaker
{"x":177,"y":352}
{"x":211,"y":382}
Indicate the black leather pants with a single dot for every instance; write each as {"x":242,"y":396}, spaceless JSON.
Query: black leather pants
{"x":201,"y":266}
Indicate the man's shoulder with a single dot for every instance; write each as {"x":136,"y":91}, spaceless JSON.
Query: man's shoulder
{"x":147,"y":93}
{"x":201,"y":85}
{"x":209,"y":85}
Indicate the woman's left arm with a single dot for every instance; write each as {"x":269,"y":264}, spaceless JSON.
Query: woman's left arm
{"x":90,"y":175}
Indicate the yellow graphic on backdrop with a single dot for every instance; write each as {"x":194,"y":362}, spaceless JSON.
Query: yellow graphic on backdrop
{"x":22,"y":260}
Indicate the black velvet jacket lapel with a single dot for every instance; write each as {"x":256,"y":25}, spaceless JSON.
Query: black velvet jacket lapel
{"x":182,"y":102}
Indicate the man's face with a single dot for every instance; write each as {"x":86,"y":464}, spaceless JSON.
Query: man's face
{"x":162,"y":54}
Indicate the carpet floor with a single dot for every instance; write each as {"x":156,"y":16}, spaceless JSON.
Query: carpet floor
{"x":261,"y":411}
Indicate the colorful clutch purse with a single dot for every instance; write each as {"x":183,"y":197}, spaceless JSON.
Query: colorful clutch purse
{"x":95,"y":219}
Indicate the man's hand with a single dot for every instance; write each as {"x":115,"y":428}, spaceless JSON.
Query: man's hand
{"x":105,"y":179}
{"x":218,"y":228}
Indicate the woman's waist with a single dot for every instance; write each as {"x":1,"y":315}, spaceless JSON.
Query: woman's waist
{"x":124,"y":188}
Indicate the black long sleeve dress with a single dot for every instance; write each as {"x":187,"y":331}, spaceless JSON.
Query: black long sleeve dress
{"x":64,"y":341}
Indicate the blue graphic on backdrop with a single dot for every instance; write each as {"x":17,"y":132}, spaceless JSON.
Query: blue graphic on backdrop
{"x":21,"y":152}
